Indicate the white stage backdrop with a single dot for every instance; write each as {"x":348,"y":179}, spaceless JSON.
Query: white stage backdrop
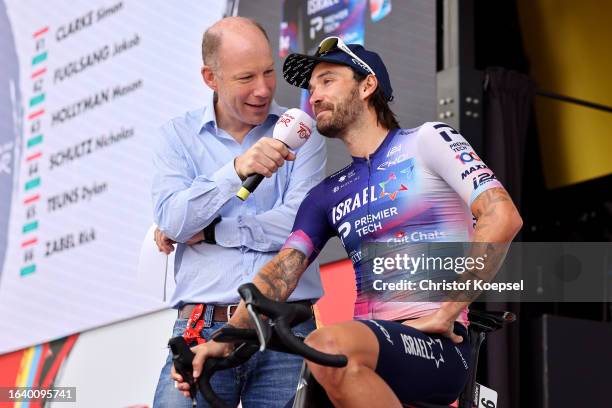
{"x":84,"y":84}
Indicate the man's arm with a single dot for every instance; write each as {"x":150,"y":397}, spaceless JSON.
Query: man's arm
{"x":166,"y":245}
{"x":276,"y":280}
{"x":497,"y":219}
{"x":446,"y":153}
{"x":279,"y":277}
{"x":185,"y":202}
{"x":268,"y":230}
{"x":497,"y":223}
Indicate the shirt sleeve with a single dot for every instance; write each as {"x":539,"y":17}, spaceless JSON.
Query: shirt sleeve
{"x":445,"y":152}
{"x":185,"y":202}
{"x":311,"y":229}
{"x":268,"y":230}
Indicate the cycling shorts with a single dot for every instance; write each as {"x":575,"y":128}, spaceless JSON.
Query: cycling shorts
{"x":421,"y":367}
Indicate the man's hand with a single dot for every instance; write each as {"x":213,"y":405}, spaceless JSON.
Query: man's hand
{"x":197,"y":238}
{"x":202,"y":352}
{"x":166,"y":245}
{"x":264,"y":157}
{"x":437,"y":323}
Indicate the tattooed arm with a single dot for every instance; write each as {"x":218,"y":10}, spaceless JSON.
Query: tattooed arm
{"x":497,"y":223}
{"x":276,"y":280}
{"x":497,"y":219}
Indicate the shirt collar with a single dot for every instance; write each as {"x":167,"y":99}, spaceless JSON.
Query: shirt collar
{"x":209,"y":118}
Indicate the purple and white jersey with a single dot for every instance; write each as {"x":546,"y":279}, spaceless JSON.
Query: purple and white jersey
{"x":418,"y":186}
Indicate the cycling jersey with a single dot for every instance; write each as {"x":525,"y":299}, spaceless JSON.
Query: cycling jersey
{"x":418,"y":186}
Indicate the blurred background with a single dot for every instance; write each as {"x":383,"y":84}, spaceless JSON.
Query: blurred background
{"x":83,"y":85}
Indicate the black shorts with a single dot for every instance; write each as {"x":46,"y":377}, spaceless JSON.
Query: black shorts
{"x":420,"y":367}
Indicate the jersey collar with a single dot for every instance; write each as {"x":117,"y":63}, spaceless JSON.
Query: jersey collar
{"x":381,"y":148}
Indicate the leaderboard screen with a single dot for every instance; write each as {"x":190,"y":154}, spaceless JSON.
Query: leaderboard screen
{"x":83,"y":87}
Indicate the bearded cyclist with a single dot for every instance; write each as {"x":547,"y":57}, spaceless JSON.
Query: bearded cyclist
{"x":426,"y":181}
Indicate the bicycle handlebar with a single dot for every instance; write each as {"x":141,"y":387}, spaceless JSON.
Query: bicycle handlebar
{"x":240,"y":354}
{"x":274,"y":333}
{"x":182,"y":356}
{"x":284,"y":315}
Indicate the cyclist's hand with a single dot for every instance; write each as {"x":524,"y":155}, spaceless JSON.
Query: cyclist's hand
{"x":437,"y":323}
{"x":202,"y":352}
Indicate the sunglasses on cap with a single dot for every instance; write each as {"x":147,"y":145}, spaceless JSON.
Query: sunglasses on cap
{"x":330,"y":43}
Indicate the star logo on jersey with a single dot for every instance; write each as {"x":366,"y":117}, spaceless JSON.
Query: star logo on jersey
{"x":388,"y":185}
{"x":408,"y":172}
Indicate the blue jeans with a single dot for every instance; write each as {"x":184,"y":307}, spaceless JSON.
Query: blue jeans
{"x":268,"y":379}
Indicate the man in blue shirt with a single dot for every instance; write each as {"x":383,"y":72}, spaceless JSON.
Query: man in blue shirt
{"x":200,"y":161}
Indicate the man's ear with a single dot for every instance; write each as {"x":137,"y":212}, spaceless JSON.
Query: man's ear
{"x":368,"y":86}
{"x":209,"y":77}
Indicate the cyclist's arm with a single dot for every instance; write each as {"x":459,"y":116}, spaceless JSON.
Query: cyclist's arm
{"x":497,"y":219}
{"x":446,"y":153}
{"x":497,"y":223}
{"x":279,"y":277}
{"x":276,"y":280}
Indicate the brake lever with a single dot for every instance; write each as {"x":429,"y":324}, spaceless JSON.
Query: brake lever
{"x":261,"y":328}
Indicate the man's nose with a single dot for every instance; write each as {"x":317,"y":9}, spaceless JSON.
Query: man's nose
{"x":263,"y":89}
{"x":315,"y":98}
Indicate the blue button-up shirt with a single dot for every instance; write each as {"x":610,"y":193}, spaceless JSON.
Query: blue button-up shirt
{"x":195,"y":181}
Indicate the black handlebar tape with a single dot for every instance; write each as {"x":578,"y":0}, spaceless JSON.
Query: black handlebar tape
{"x":210,"y":367}
{"x":251,"y":295}
{"x":240,"y":354}
{"x":293,"y":343}
{"x":284,"y":314}
{"x":249,"y":336}
{"x":235,"y":335}
{"x":182,"y":358}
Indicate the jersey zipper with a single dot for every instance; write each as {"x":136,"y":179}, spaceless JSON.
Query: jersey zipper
{"x":369,"y":194}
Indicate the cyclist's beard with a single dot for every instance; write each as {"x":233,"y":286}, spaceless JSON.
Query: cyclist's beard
{"x":343,"y":114}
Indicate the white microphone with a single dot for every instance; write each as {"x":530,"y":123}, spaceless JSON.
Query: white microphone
{"x":293,"y":128}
